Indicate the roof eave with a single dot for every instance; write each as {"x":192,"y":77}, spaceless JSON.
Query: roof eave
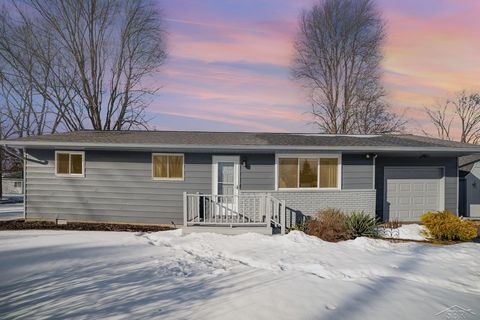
{"x":133,"y":146}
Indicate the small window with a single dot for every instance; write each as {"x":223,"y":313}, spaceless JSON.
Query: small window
{"x":17,"y":184}
{"x":167,"y":166}
{"x":69,"y":163}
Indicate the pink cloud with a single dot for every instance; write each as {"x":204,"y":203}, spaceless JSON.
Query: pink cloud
{"x":431,"y":51}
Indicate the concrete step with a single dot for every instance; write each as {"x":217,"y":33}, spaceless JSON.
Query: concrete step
{"x":227,"y":230}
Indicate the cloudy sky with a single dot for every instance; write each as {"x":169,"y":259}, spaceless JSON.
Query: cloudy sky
{"x":228,"y":66}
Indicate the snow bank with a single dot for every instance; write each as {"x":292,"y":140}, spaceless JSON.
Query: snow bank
{"x":164,"y":275}
{"x":348,"y":260}
{"x":405,"y":232}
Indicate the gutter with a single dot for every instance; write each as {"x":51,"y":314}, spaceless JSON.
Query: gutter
{"x":23,"y":158}
{"x":95,"y":145}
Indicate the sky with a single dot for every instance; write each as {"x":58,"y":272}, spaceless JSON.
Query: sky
{"x":228,"y":64}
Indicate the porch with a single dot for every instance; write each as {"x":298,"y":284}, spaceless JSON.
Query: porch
{"x":233,"y":214}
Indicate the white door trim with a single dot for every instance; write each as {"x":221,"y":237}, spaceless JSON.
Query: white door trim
{"x":236,"y":171}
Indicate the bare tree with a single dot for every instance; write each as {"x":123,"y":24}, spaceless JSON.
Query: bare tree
{"x":462,"y":112}
{"x":440,"y":119}
{"x":85,"y":59}
{"x":337,"y":58}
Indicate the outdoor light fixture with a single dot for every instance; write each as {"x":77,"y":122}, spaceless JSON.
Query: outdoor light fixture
{"x":244,"y":161}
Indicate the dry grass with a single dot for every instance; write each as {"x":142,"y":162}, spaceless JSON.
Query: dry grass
{"x":329,"y":225}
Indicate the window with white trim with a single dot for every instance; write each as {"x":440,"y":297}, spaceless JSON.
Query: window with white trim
{"x":70,"y":163}
{"x":168,"y":166}
{"x":308,"y":172}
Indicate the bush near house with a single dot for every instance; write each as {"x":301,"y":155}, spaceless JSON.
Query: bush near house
{"x":444,"y":225}
{"x":333,"y":225}
{"x":329,"y":225}
{"x":362,"y":224}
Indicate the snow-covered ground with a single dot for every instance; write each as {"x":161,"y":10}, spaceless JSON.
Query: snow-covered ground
{"x":94,"y":275}
{"x":11,"y":211}
{"x":405,"y":232}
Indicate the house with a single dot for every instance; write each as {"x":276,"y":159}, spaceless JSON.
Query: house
{"x":209,"y":179}
{"x":469,"y":185}
{"x":12,"y":183}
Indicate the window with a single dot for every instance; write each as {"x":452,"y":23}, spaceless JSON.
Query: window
{"x":69,"y":163}
{"x":308,"y":172}
{"x":17,"y":184}
{"x":288,"y":172}
{"x":328,"y":172}
{"x":167,"y":166}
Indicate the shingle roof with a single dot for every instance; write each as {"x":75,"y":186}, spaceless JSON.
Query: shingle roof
{"x":466,"y":163}
{"x":239,"y":139}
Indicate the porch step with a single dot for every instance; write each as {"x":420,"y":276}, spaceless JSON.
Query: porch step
{"x":227,"y":230}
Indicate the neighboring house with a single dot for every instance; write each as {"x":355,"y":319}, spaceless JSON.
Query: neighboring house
{"x":235,"y":178}
{"x":469,"y":174}
{"x":12,"y":183}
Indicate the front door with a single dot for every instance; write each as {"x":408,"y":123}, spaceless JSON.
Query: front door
{"x":226,"y":181}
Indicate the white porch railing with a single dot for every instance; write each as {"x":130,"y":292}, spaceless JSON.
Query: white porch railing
{"x":233,"y":210}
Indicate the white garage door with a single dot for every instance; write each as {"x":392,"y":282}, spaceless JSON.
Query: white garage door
{"x":410,"y":192}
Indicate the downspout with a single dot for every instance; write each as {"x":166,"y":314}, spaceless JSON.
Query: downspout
{"x":24,"y":184}
{"x":374,"y":169}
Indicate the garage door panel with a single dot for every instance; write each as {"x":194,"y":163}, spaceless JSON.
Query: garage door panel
{"x":416,"y":214}
{"x":419,"y":187}
{"x":431,"y":201}
{"x":392,"y":201}
{"x":392,"y":187}
{"x":410,"y":192}
{"x":418,"y":200}
{"x":404,"y":201}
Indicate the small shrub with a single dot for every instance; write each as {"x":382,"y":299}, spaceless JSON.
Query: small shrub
{"x":444,"y":225}
{"x":329,"y":225}
{"x":390,"y":228}
{"x":363,"y":225}
{"x":392,"y":224}
{"x":300,"y":225}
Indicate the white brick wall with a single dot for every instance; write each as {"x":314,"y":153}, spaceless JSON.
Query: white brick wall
{"x":304,"y":202}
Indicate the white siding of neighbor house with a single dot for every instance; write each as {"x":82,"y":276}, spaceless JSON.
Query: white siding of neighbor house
{"x":12,"y":186}
{"x":472,"y":192}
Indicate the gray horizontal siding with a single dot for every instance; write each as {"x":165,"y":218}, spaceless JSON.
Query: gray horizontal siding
{"x":451,"y":176}
{"x":117,"y":187}
{"x":357,"y":172}
{"x":259,"y":173}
